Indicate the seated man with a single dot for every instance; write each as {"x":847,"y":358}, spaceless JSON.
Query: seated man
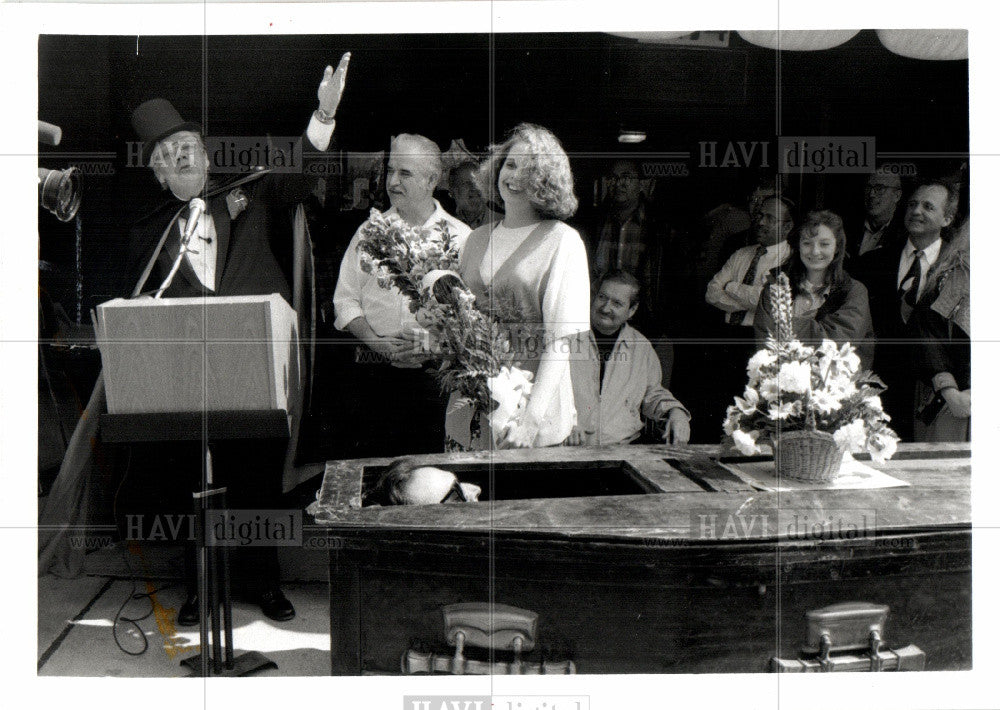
{"x":619,"y":383}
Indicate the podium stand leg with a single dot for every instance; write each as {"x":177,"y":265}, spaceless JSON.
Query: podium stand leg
{"x":214,"y":598}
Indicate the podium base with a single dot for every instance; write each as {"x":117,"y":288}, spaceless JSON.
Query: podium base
{"x":243,"y":664}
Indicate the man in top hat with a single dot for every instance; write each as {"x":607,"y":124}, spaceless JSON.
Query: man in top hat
{"x":224,"y":246}
{"x":229,"y":252}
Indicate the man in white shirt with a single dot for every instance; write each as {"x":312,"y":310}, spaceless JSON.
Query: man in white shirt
{"x":403,"y":408}
{"x":619,"y":384}
{"x":735,"y":290}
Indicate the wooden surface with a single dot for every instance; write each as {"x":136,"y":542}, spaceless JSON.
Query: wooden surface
{"x":938,"y":496}
{"x":630,"y":584}
{"x":195,"y":354}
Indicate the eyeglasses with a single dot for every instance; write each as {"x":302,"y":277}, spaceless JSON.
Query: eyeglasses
{"x":455,"y":494}
{"x":769,"y":219}
{"x":879,"y":189}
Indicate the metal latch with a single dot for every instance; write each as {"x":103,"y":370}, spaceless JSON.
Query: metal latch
{"x":848,"y":637}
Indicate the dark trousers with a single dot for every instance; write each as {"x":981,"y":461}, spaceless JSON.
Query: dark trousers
{"x":894,"y":364}
{"x":393,"y":411}
{"x":709,"y":372}
{"x":159,"y":484}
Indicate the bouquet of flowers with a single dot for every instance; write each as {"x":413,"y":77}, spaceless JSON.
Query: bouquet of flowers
{"x":796,"y":387}
{"x":400,"y":255}
{"x":477,"y":361}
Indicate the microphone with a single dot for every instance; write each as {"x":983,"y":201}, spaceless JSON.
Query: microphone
{"x":196,"y":208}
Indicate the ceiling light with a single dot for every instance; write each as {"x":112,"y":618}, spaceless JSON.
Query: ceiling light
{"x":631,"y":136}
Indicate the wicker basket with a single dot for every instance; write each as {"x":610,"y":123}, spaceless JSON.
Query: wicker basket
{"x":807,"y":455}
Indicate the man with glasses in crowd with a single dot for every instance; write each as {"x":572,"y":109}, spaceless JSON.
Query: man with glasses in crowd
{"x":735,"y":290}
{"x":881,"y":227}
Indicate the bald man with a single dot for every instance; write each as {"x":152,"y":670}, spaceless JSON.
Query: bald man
{"x":400,"y":408}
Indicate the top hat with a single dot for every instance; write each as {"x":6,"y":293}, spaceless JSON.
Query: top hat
{"x":156,"y":119}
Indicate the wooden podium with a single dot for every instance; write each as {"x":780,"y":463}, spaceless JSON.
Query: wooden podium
{"x":199,"y":354}
{"x":208,"y":369}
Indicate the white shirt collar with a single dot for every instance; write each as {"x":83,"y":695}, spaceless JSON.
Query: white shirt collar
{"x":931,"y":252}
{"x":436,"y":216}
{"x":777,"y":251}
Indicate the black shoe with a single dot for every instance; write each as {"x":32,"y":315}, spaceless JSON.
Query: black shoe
{"x":276,"y":606}
{"x":188,"y":615}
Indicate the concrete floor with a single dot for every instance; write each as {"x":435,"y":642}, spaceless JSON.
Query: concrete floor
{"x":77,"y":630}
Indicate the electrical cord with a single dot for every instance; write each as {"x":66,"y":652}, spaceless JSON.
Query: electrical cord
{"x":133,"y":595}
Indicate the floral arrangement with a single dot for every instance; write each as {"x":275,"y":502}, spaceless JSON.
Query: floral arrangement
{"x":792,"y":386}
{"x":402,"y":256}
{"x":476,"y":359}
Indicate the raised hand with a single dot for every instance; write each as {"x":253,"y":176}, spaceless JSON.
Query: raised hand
{"x":331,"y":88}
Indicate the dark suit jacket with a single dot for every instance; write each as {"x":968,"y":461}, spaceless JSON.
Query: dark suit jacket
{"x":882,"y":271}
{"x":869,"y":268}
{"x":843,"y":318}
{"x":245,"y":263}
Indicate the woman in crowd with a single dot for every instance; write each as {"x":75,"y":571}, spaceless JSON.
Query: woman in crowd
{"x":530,"y":271}
{"x":826,"y":302}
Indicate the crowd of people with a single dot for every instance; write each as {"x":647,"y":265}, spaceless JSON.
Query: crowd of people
{"x":665,"y":307}
{"x":608,"y":313}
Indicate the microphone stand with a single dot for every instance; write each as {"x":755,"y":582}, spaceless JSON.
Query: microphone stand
{"x":197,"y":209}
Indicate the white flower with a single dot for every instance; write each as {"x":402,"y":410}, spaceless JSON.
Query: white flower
{"x":746,"y":443}
{"x":799,"y":351}
{"x":748,"y":404}
{"x":851,"y":362}
{"x":873,"y":402}
{"x":785,"y":410}
{"x":824,"y":401}
{"x":827,"y":348}
{"x":732,"y":420}
{"x":841,"y":387}
{"x":760,"y":359}
{"x":510,"y":389}
{"x":882,"y":445}
{"x":794,"y":377}
{"x":851,"y":436}
{"x":769,"y":389}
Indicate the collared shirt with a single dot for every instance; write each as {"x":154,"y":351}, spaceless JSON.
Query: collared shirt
{"x":358,"y":294}
{"x":872,"y":238}
{"x":930,"y":255}
{"x":622,"y":244}
{"x":727,"y":292}
{"x":203,"y":251}
{"x":610,"y":409}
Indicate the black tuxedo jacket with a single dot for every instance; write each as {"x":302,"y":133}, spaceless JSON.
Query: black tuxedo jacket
{"x":246,"y":264}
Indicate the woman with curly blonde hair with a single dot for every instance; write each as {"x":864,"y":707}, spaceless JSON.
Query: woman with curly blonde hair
{"x":530,"y":271}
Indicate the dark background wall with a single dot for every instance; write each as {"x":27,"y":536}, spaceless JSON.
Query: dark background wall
{"x":584,"y":86}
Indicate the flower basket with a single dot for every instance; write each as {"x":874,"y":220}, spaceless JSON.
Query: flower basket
{"x":807,"y":455}
{"x":814,"y":403}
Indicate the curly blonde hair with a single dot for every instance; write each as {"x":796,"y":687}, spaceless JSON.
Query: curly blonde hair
{"x":544,"y":173}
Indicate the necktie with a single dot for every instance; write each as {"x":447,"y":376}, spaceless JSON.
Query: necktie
{"x":909,"y":287}
{"x":736,"y":317}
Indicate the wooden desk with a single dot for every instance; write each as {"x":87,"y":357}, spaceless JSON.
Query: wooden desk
{"x":649,"y":581}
